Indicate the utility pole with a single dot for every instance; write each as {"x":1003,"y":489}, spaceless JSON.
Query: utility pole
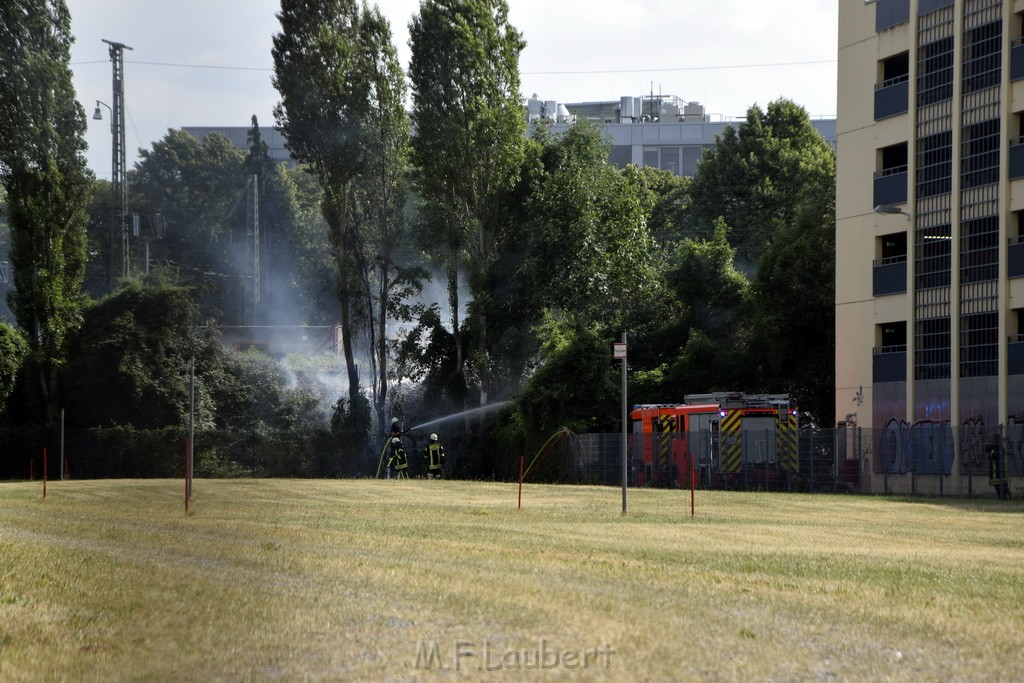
{"x":117,"y":162}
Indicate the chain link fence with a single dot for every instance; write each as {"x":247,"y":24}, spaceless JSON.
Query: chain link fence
{"x":925,"y":458}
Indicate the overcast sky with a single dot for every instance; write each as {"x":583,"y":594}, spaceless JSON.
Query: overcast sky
{"x":208,"y":63}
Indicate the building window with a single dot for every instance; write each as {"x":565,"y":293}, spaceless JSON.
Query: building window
{"x":934,"y":164}
{"x":979,"y":249}
{"x":670,"y":160}
{"x":982,"y":54}
{"x":980,"y":154}
{"x":932,"y":349}
{"x":932,"y":262}
{"x":935,"y":72}
{"x":691,"y":157}
{"x":979,"y":345}
{"x":892,"y":91}
{"x":651,"y":157}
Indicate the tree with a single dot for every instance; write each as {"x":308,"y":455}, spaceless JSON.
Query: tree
{"x":383,"y":228}
{"x":326,"y":59}
{"x":793,"y":319}
{"x":756,"y":176}
{"x":464,"y":69}
{"x":133,"y":350}
{"x":12,"y":351}
{"x":191,"y":187}
{"x":43,"y":168}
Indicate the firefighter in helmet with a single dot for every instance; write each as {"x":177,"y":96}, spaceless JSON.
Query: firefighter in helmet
{"x":433,"y":458}
{"x":397,"y":459}
{"x":997,"y":467}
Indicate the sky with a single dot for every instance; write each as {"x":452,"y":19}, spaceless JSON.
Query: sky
{"x":208,"y":62}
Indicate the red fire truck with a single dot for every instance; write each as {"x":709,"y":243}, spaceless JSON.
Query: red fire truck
{"x":724,"y":439}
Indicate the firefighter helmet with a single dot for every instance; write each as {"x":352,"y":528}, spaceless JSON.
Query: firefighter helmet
{"x":433,"y":437}
{"x":396,"y":440}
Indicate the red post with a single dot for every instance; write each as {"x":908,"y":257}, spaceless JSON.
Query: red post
{"x":520,"y":482}
{"x":44,"y":473}
{"x":691,"y":485}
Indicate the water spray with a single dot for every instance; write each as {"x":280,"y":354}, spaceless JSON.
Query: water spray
{"x":458,"y":416}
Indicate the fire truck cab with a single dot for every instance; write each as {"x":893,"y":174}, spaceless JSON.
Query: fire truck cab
{"x":671,"y":439}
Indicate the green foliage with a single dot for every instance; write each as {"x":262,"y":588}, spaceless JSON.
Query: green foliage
{"x":575,"y":386}
{"x":351,"y":424}
{"x":757,"y":175}
{"x":668,"y":200}
{"x":13,"y":350}
{"x":468,"y":148}
{"x":134,"y":351}
{"x":704,"y":279}
{"x":342,"y":92}
{"x":43,"y":168}
{"x":794,"y":319}
{"x":582,"y":242}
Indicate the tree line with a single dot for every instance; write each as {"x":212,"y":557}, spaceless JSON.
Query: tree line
{"x":407,"y":178}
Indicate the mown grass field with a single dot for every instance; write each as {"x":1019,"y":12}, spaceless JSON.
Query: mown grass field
{"x":431,"y":580}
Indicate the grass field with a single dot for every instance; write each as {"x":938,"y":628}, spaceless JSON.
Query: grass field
{"x":431,"y":580}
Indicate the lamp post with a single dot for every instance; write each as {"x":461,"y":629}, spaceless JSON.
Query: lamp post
{"x":891,"y":209}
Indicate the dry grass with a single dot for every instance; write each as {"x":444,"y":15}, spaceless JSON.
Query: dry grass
{"x":328,"y":580}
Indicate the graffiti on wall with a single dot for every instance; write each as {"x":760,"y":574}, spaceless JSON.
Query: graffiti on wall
{"x":927,"y":446}
{"x":972,"y":444}
{"x":924,"y":447}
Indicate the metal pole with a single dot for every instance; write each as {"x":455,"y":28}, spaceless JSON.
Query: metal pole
{"x":191,"y":420}
{"x":624,"y":429}
{"x":62,"y":444}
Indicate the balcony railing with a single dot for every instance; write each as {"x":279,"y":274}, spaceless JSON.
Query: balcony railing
{"x":889,"y":276}
{"x":1016,"y":169}
{"x":892,"y":97}
{"x":889,"y":364}
{"x":1015,"y":257}
{"x":1017,"y":59}
{"x":889,"y":13}
{"x":1015,"y":355}
{"x":891,"y":186}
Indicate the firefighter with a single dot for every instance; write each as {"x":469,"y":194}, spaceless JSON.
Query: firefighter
{"x":397,"y":459}
{"x":997,"y":467}
{"x":433,"y":458}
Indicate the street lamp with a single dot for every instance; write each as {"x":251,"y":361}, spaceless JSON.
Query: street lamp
{"x":890,"y":209}
{"x":97,"y":115}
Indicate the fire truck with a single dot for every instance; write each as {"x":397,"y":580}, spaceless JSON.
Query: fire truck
{"x":721,"y":439}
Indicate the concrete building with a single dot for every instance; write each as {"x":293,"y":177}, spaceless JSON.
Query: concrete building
{"x":654,"y":130}
{"x":663,"y":131}
{"x":929,"y":259}
{"x":239,"y":138}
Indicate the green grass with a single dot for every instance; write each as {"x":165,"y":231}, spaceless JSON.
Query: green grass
{"x":343,"y":580}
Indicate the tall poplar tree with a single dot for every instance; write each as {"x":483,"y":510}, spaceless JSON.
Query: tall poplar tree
{"x":43,"y":168}
{"x":342,"y":112}
{"x":469,"y":140}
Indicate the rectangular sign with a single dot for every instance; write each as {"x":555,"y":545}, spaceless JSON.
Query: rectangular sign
{"x":618,"y":350}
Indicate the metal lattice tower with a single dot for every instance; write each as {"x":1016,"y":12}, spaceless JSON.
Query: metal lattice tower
{"x":117,"y":163}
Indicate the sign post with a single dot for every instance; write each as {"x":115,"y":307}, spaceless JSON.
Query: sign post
{"x":619,"y":352}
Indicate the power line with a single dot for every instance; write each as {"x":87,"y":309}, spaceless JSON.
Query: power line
{"x":677,"y":68}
